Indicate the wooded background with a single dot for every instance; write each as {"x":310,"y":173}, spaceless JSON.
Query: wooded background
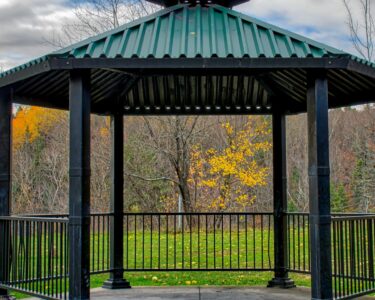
{"x":213,"y":163}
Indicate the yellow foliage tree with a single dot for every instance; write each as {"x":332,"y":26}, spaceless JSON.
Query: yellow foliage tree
{"x":229,"y":174}
{"x":30,"y":122}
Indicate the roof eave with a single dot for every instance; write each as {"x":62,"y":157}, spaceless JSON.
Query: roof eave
{"x":149,"y":65}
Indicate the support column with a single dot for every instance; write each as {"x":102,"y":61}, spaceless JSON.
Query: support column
{"x":5,"y":181}
{"x":319,"y":192}
{"x":116,"y":280}
{"x":280,"y":203}
{"x":79,"y":185}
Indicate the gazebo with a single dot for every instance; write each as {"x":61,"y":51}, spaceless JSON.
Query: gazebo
{"x":194,"y":57}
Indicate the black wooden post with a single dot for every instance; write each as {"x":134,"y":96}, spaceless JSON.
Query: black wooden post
{"x":319,"y":193}
{"x":79,"y":186}
{"x":116,"y":280}
{"x":280,"y":203}
{"x":5,"y":180}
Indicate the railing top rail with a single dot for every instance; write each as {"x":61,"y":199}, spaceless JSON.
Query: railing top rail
{"x":353,"y":217}
{"x":198,"y":213}
{"x":34,"y":219}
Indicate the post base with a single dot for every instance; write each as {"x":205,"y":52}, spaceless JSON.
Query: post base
{"x":115,"y":284}
{"x":284,"y":283}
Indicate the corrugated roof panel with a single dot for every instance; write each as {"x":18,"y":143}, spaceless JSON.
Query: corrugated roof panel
{"x":199,"y":32}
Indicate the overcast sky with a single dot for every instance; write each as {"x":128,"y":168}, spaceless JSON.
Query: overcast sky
{"x":26,"y":24}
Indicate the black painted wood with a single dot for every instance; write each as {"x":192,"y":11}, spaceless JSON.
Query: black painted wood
{"x":319,"y":192}
{"x":79,"y":186}
{"x":280,"y":203}
{"x":116,"y":280}
{"x":5,"y":177}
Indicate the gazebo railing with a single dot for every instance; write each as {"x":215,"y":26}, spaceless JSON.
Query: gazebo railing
{"x":198,"y":241}
{"x":298,"y":242}
{"x":34,"y":249}
{"x":353,"y":248}
{"x":34,"y":256}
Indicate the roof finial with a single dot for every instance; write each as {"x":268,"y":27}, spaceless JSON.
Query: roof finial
{"x":226,"y":3}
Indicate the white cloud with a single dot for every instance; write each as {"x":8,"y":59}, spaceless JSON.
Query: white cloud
{"x":25,"y":27}
{"x":322,"y":20}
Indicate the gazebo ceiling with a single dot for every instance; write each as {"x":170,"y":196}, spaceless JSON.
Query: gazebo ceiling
{"x":194,"y":59}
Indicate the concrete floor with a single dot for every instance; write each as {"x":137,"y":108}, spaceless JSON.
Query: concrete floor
{"x":204,"y":293}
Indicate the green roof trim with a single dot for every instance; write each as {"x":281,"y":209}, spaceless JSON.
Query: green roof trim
{"x":196,"y":31}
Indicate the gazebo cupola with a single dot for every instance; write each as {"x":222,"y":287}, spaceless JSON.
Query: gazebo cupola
{"x":226,"y":3}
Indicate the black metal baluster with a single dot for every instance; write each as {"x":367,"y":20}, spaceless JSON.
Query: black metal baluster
{"x":214,"y":241}
{"x":334,"y":259}
{"x":66,"y":259}
{"x":352,"y":256}
{"x":230,"y":241}
{"x":370,"y":253}
{"x":289,"y":244}
{"x":28,"y":259}
{"x":183,"y":242}
{"x":294,"y":241}
{"x":299,"y":242}
{"x":238,"y":241}
{"x":93,"y":243}
{"x":143,"y":241}
{"x":103,"y":242}
{"x":175,"y":241}
{"x":246,"y":247}
{"x":199,"y":241}
{"x":108,"y":240}
{"x":360,"y":269}
{"x":359,"y":255}
{"x":364,"y":258}
{"x":304,"y":242}
{"x":262,"y":238}
{"x":135,"y":242}
{"x":191,"y":241}
{"x":151,"y":261}
{"x":127,"y":241}
{"x":366,"y":263}
{"x":347,"y":273}
{"x":98,"y":250}
{"x":45,"y":267}
{"x":159,"y":230}
{"x":50,"y":263}
{"x":254,"y":238}
{"x":61,"y":258}
{"x":206,"y":241}
{"x":269,"y":242}
{"x":167,"y":238}
{"x":222,"y":241}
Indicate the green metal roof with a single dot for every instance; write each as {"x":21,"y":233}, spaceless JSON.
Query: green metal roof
{"x":195,"y":31}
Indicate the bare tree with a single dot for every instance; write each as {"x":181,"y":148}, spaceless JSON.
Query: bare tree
{"x":361,"y":27}
{"x":172,"y":138}
{"x":96,"y":16}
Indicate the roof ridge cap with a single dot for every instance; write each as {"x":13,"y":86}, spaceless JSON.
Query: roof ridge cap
{"x":117,"y":29}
